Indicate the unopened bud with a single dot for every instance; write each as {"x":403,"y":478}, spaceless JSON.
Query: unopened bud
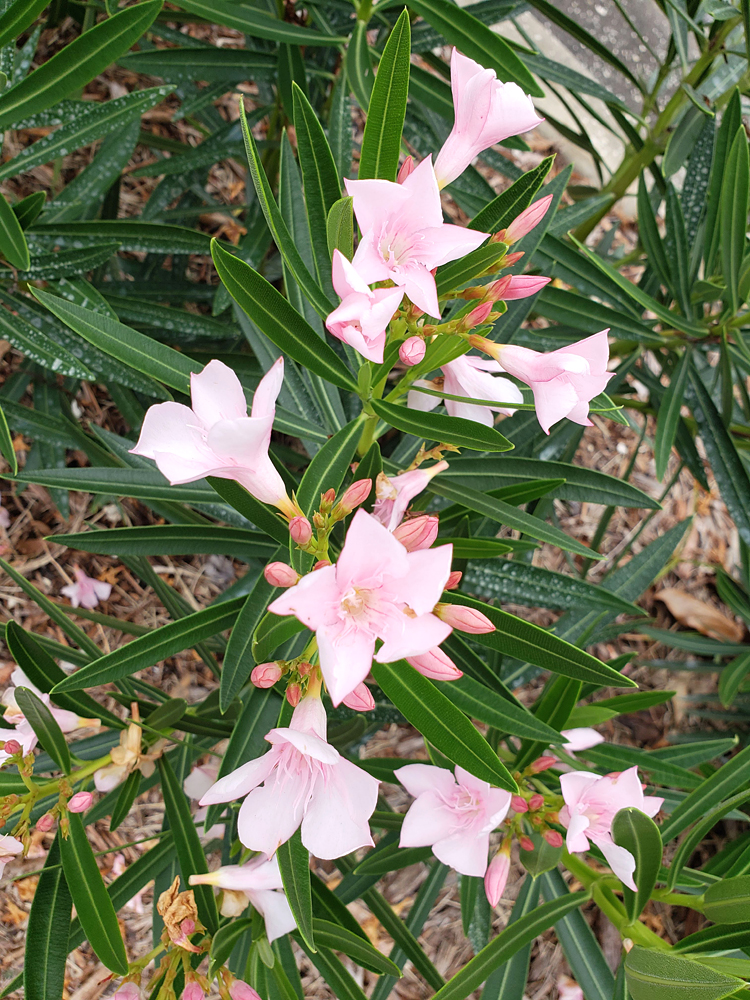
{"x":327,"y":499}
{"x":477,"y":316}
{"x":354,"y":495}
{"x":80,"y":802}
{"x":304,"y":668}
{"x":496,"y":289}
{"x":417,"y":532}
{"x":193,"y":991}
{"x":519,"y":804}
{"x":406,"y":168}
{"x":536,"y":801}
{"x":293,"y":694}
{"x":464,"y":619}
{"x":552,"y":817}
{"x":278,"y":574}
{"x":513,"y":258}
{"x":128,"y":991}
{"x":321,"y":564}
{"x":542,"y":764}
{"x":496,"y":877}
{"x":436,"y":665}
{"x":12,"y":747}
{"x":301,"y":530}
{"x":360,"y":699}
{"x":412,"y":351}
{"x":265,"y":675}
{"x":526,"y":843}
{"x":454,"y":579}
{"x":240,"y":990}
{"x":528,"y":219}
{"x":522,"y":286}
{"x":553,"y":838}
{"x":45,"y":823}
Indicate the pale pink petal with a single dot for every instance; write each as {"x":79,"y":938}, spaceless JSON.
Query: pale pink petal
{"x":428,"y":820}
{"x":306,"y":742}
{"x":313,"y":600}
{"x":267,"y":392}
{"x":240,"y":781}
{"x":420,"y":400}
{"x":276,"y":912}
{"x":576,"y":839}
{"x":422,"y":208}
{"x":419,"y":778}
{"x":411,"y":637}
{"x":423,"y":585}
{"x":172,"y":437}
{"x":466,"y":852}
{"x":580,"y":739}
{"x":370,"y":551}
{"x":575,"y":784}
{"x":595,"y":349}
{"x":345,"y":658}
{"x":372,"y":200}
{"x":216,"y":394}
{"x":200,"y":779}
{"x":553,"y":401}
{"x":345,"y":277}
{"x":651,"y":805}
{"x":436,"y":665}
{"x":337,"y":818}
{"x":269,"y":815}
{"x":419,"y":285}
{"x":620,"y":860}
{"x":446,"y":243}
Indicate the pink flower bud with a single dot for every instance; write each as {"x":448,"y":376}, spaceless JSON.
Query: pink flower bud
{"x":513,"y":258}
{"x":321,"y":564}
{"x":526,"y":843}
{"x":536,"y":801}
{"x":241,"y":991}
{"x":496,"y":877}
{"x":193,"y":991}
{"x":293,"y":694}
{"x":553,"y":838}
{"x":45,"y":823}
{"x":278,"y":574}
{"x":417,"y":532}
{"x":454,"y":579}
{"x":128,"y":991}
{"x":412,"y":351}
{"x":301,"y":530}
{"x":521,"y":286}
{"x":542,"y":763}
{"x":477,"y":316}
{"x":436,"y":665}
{"x":527,"y":220}
{"x":463,"y":618}
{"x":354,"y":495}
{"x":519,"y":804}
{"x":80,"y":802}
{"x":405,"y":169}
{"x":12,"y":747}
{"x":265,"y":675}
{"x":360,"y":699}
{"x":496,"y":289}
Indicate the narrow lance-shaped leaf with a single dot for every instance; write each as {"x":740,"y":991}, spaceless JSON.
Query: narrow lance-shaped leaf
{"x":381,"y":142}
{"x":294,"y":863}
{"x":637,"y":833}
{"x":669,"y":414}
{"x":735,"y":190}
{"x":44,"y":966}
{"x":44,"y":725}
{"x":12,"y":240}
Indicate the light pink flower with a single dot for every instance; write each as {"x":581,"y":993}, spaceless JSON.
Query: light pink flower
{"x":304,"y":781}
{"x":10,"y":847}
{"x":464,"y":618}
{"x":279,"y":574}
{"x":470,"y":376}
{"x":216,"y":437}
{"x":404,"y":237}
{"x":363,"y":316}
{"x":376,"y":590}
{"x":486,"y":111}
{"x":454,"y":816}
{"x":496,"y":876}
{"x":23,"y":734}
{"x":564,"y":381}
{"x":436,"y":665}
{"x":260,"y":880}
{"x":193,"y":991}
{"x":300,"y":530}
{"x":353,"y":496}
{"x":580,"y":739}
{"x":361,"y":699}
{"x":67,"y":721}
{"x":265,"y":675}
{"x":592,"y":802}
{"x":86,"y":592}
{"x":393,"y":496}
{"x":528,"y":219}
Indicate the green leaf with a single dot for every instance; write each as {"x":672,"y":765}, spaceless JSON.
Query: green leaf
{"x":477,"y":41}
{"x":728,"y":901}
{"x":529,"y":643}
{"x":334,"y":936}
{"x":501,"y":211}
{"x":329,"y":466}
{"x":223,"y":942}
{"x":723,"y":937}
{"x":254,"y":22}
{"x":44,"y":725}
{"x":438,"y":427}
{"x":735,"y":189}
{"x":37,"y":346}
{"x":77,"y":64}
{"x":94,"y":908}
{"x":174,"y":540}
{"x":726,"y":464}
{"x":12,"y":240}
{"x":246,"y":504}
{"x":726,"y":134}
{"x":51,"y":266}
{"x":6,"y":444}
{"x":381,"y":142}
{"x":731,"y":678}
{"x":657,"y":975}
{"x":187,"y":842}
{"x":391,"y":858}
{"x":359,"y":72}
{"x":637,"y":833}
{"x":280,"y":322}
{"x":44,"y":966}
{"x":271,"y":633}
{"x":127,"y":794}
{"x":542,"y":858}
{"x":157,"y":645}
{"x":440,"y":722}
{"x":18,"y":16}
{"x":669,"y":414}
{"x":508,"y":716}
{"x":460,"y":272}
{"x":340,"y":227}
{"x":506,"y":944}
{"x":142,"y":484}
{"x":342,"y":983}
{"x":131,"y":234}
{"x":183,"y":65}
{"x":676,"y":247}
{"x":508,"y":981}
{"x":688,"y":845}
{"x":732,"y":775}
{"x":294,"y":863}
{"x":28,"y":208}
{"x":238,"y":660}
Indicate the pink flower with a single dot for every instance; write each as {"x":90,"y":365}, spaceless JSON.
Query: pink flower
{"x":454,"y":816}
{"x":406,"y":168}
{"x":496,"y":876}
{"x":436,"y":665}
{"x":403,"y":234}
{"x":10,"y":847}
{"x":216,"y":437}
{"x":393,"y":496}
{"x":305,"y":781}
{"x":363,"y":316}
{"x":240,"y":990}
{"x":580,"y":739}
{"x":23,"y":737}
{"x":376,"y":590}
{"x":201,"y":778}
{"x":486,"y":111}
{"x":67,"y":721}
{"x":563,"y":382}
{"x":528,"y":219}
{"x":260,"y":880}
{"x":417,"y":532}
{"x":361,"y":699}
{"x":469,"y":376}
{"x":80,"y":802}
{"x":45,"y":823}
{"x":412,"y":351}
{"x":86,"y":592}
{"x":592,"y":802}
{"x":464,"y":618}
{"x":354,"y":496}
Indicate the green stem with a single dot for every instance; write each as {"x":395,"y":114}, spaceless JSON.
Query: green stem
{"x":678,"y":899}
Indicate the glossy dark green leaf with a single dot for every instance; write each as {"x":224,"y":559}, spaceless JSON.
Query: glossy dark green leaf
{"x":37,"y":346}
{"x":126,"y":796}
{"x":131,"y":234}
{"x":503,"y":209}
{"x":637,"y":833}
{"x":334,"y":936}
{"x":440,"y":722}
{"x":438,"y":427}
{"x":735,"y":191}
{"x":722,"y":937}
{"x":211,"y":64}
{"x":223,"y":942}
{"x":94,"y":908}
{"x":359,"y":74}
{"x":43,"y":723}
{"x":238,"y":660}
{"x":329,"y":466}
{"x":678,"y":251}
{"x":174,"y":539}
{"x":728,"y":901}
{"x":731,"y":677}
{"x":255,"y":511}
{"x":505,"y":715}
{"x":12,"y":240}
{"x":391,"y":858}
{"x":689,"y":843}
{"x":658,"y":975}
{"x":271,"y":633}
{"x":294,"y":863}
{"x":714,"y":789}
{"x":381,"y":142}
{"x":726,"y":134}
{"x":6,"y":444}
{"x":44,"y":966}
{"x":17,"y":17}
{"x":460,"y":272}
{"x":669,"y":414}
{"x":340,"y":227}
{"x":256,"y":22}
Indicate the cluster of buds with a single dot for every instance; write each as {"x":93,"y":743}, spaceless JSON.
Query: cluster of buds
{"x":299,"y":673}
{"x":328,"y":514}
{"x":128,"y":756}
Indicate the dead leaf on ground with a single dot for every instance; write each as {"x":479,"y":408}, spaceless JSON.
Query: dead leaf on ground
{"x":693,"y":613}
